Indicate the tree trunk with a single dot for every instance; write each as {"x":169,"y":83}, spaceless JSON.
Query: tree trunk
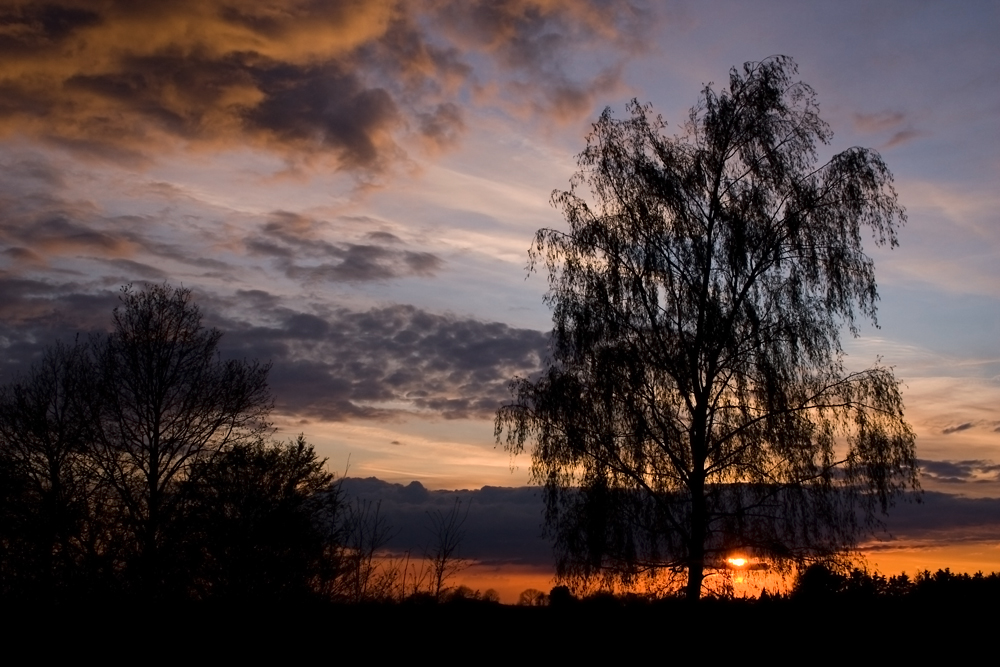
{"x":696,"y":544}
{"x":699,"y":506}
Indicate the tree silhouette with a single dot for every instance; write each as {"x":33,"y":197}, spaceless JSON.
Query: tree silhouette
{"x":696,"y":403}
{"x":532,"y":597}
{"x":364,"y":530}
{"x":166,"y":401}
{"x":259,"y":522}
{"x":447,"y":533}
{"x":43,"y":437}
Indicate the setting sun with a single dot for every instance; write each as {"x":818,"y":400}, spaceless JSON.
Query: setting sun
{"x":737,"y":562}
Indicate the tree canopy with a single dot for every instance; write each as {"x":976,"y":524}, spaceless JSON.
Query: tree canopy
{"x":696,"y":403}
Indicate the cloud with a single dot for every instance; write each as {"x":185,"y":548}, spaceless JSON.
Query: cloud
{"x":960,"y":472}
{"x":378,"y":364}
{"x":35,"y":314}
{"x":941,"y":518}
{"x":23,"y":256}
{"x":886,"y":121}
{"x":502,"y":525}
{"x":295,"y":243}
{"x":60,"y":232}
{"x":138,"y":269}
{"x":339,"y":80}
{"x":955,"y":429}
{"x":43,"y":223}
{"x":878,"y":122}
{"x":387,"y":361}
{"x":901,"y":137}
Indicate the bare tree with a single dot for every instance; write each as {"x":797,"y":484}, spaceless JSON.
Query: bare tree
{"x":166,"y":401}
{"x":43,"y":433}
{"x":532,"y":597}
{"x":364,"y":531}
{"x":447,"y":533}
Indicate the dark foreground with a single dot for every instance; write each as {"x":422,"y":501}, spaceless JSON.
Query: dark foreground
{"x":783,"y":630}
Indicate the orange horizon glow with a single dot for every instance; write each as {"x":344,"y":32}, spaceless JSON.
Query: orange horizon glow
{"x":510,"y":580}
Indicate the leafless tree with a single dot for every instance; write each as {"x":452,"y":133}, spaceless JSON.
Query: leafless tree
{"x":532,"y":597}
{"x":43,"y":431}
{"x":364,"y":531}
{"x":447,"y":533}
{"x":166,"y":401}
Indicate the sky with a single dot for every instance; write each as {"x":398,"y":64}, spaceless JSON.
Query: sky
{"x":350,"y":189}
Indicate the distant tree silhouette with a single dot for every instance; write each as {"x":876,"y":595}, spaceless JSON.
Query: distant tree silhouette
{"x":447,"y":533}
{"x":696,"y":403}
{"x":532,"y":597}
{"x":561,"y":596}
{"x":818,"y":583}
{"x":165,"y":402}
{"x":364,"y":531}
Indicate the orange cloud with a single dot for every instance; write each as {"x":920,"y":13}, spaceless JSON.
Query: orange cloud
{"x":337,"y":78}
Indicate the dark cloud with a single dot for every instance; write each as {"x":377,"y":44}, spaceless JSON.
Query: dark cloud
{"x":380,"y":362}
{"x":304,"y":78}
{"x":57,"y":232}
{"x":502,"y":525}
{"x":364,"y":262}
{"x":294,"y":242}
{"x":336,"y":363}
{"x":957,"y":428}
{"x":538,"y":42}
{"x":324,"y":108}
{"x":960,"y":472}
{"x":344,"y":364}
{"x":35,"y":314}
{"x":442,"y":127}
{"x":944,"y":515}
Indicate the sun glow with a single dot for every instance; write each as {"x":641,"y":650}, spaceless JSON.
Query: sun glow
{"x":737,"y":562}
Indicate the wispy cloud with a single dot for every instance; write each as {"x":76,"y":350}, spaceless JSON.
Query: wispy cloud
{"x":887,"y":121}
{"x":878,"y":122}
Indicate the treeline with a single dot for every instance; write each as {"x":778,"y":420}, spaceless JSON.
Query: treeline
{"x":816,"y":584}
{"x":821,"y":583}
{"x":138,"y":464}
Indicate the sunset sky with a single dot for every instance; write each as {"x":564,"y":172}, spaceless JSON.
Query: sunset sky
{"x":350,"y":189}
